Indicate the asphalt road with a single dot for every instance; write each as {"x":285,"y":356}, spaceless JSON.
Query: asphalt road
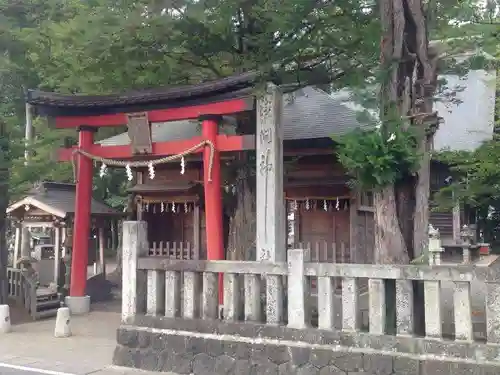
{"x":12,"y":370}
{"x":9,"y":371}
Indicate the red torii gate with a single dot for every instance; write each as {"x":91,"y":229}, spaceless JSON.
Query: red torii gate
{"x":207,"y":102}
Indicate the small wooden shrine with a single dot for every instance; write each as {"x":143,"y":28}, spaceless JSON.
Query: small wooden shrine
{"x":50,"y":208}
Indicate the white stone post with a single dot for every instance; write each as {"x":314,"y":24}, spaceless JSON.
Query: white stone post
{"x":63,"y":327}
{"x":297,"y":291}
{"x":5,"y":326}
{"x":63,"y":239}
{"x":377,"y":305}
{"x":57,"y":252}
{"x":135,"y":244}
{"x":492,"y":315}
{"x":271,"y":224}
{"x":102,"y":259}
{"x":435,"y":248}
{"x":17,"y":245}
{"x":25,"y":241}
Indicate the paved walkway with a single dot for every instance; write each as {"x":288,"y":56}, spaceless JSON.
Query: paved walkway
{"x":32,"y":347}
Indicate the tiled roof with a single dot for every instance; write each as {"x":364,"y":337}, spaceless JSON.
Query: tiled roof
{"x":309,"y":113}
{"x":59,"y":198}
{"x":161,"y":94}
{"x":54,"y":104}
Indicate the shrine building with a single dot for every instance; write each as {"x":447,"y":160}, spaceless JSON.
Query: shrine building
{"x":177,"y":144}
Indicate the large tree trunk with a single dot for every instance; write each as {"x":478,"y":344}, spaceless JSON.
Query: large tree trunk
{"x":401,"y":217}
{"x":242,"y":224}
{"x":402,"y":211}
{"x":389,"y":241}
{"x":116,"y":276}
{"x":4,"y":202}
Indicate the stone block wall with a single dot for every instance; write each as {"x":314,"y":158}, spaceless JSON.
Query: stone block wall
{"x":293,"y":353}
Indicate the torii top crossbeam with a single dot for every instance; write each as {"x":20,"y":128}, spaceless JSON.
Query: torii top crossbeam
{"x":207,"y":102}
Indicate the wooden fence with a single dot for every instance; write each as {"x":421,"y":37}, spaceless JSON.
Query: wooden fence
{"x":173,"y":250}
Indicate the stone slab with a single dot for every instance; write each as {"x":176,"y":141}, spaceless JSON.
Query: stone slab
{"x":78,"y":305}
{"x":191,"y":354}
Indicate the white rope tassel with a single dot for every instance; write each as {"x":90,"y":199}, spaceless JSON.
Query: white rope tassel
{"x":173,"y":208}
{"x":151,"y":170}
{"x":183,"y":165}
{"x":325,"y":205}
{"x":337,"y":204}
{"x":128,"y":170}
{"x":186,"y":209}
{"x":308,"y":205}
{"x":103,"y":170}
{"x":162,"y":207}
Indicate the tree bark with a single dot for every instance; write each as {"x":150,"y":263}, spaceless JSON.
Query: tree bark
{"x":402,"y":211}
{"x":390,"y":244}
{"x":242,"y":223}
{"x":116,"y":276}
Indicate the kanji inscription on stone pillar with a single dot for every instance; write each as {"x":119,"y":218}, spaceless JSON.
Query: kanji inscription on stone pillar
{"x":271,"y":234}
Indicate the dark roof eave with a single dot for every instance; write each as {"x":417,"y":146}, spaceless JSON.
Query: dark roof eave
{"x":54,"y":104}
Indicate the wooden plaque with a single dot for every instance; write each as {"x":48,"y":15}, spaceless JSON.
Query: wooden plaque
{"x":139,"y":132}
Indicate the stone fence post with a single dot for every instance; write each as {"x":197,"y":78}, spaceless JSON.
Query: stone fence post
{"x":134,"y":245}
{"x":297,"y":292}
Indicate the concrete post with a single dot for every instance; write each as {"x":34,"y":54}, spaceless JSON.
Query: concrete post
{"x":463,"y":311}
{"x":191,"y":296}
{"x":17,"y":245}
{"x":155,"y":300}
{"x":271,"y":226}
{"x":5,"y":326}
{"x":172,"y":294}
{"x":134,"y":244}
{"x":231,"y":297}
{"x":492,"y":315}
{"x":326,"y":307}
{"x":210,"y":296}
{"x":404,"y":307}
{"x":57,"y":252}
{"x":63,"y":328}
{"x":252,"y":298}
{"x":25,"y":242}
{"x":297,"y":309}
{"x":377,"y":306}
{"x":350,"y":291}
{"x":432,"y":304}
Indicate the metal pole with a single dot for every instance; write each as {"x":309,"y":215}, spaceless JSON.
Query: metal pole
{"x":28,"y":135}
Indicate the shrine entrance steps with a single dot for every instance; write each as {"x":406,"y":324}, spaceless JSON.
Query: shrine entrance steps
{"x":37,"y":302}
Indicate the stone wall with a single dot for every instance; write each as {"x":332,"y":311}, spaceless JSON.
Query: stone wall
{"x":172,"y":322}
{"x":183,"y":352}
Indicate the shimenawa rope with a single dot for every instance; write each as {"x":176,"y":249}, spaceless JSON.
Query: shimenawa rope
{"x":145,"y":163}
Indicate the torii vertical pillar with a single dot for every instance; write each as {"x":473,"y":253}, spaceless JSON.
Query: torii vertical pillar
{"x":213,"y":195}
{"x":78,"y":302}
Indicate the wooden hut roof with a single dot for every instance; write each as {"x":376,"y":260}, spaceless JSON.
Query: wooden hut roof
{"x":58,"y":199}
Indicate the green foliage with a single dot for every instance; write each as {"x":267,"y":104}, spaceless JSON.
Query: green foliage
{"x":102,"y":46}
{"x":378,"y":157}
